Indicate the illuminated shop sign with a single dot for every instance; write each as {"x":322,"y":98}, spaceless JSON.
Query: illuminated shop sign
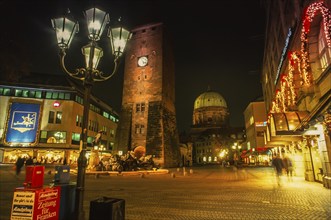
{"x":260,"y":123}
{"x":56,"y":104}
{"x":287,"y":41}
{"x":22,"y":123}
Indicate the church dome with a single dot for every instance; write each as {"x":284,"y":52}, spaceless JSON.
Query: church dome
{"x":210,"y":99}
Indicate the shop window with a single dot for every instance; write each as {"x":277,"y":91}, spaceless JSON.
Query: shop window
{"x":52,"y":137}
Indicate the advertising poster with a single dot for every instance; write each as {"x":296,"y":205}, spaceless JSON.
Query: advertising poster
{"x":47,"y":204}
{"x":22,"y":207}
{"x":23,"y":123}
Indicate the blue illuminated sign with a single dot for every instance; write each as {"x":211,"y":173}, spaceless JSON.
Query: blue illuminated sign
{"x":287,"y":41}
{"x":23,"y":123}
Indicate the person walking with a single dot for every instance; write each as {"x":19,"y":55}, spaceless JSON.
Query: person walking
{"x":288,"y":165}
{"x":19,"y":164}
{"x":278,"y":165}
{"x":29,"y":161}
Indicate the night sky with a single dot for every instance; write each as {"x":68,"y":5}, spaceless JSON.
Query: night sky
{"x":217,"y":44}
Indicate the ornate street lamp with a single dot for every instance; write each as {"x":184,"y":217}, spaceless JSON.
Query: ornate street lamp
{"x":65,"y":31}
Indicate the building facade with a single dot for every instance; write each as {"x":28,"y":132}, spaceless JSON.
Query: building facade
{"x":256,"y":151}
{"x":148,"y":116}
{"x":41,"y":117}
{"x":296,"y":83}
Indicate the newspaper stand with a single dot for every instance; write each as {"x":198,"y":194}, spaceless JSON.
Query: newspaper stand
{"x":68,"y":191}
{"x":35,"y":201}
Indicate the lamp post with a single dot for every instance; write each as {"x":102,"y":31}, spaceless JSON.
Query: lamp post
{"x":65,"y":31}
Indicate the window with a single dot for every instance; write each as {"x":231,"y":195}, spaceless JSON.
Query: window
{"x":75,"y":138}
{"x":58,"y":117}
{"x":53,"y":137}
{"x":79,"y":99}
{"x":51,"y":117}
{"x":140,"y":107}
{"x":139,"y":129}
{"x":38,"y":94}
{"x":18,"y":92}
{"x":48,"y":95}
{"x":6,"y":92}
{"x":79,"y":120}
{"x":25,"y":93}
{"x":322,"y":49}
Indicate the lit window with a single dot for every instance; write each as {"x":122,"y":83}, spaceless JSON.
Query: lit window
{"x":18,"y":92}
{"x":251,"y":120}
{"x":53,"y":137}
{"x":58,"y":117}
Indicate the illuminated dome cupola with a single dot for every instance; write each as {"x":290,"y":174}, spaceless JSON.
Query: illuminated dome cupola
{"x":210,"y":110}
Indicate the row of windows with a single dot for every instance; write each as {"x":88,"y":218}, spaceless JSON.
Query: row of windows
{"x":26,"y":93}
{"x":204,"y":150}
{"x":59,"y":137}
{"x":203,"y":144}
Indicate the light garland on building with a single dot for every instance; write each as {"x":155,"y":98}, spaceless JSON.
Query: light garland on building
{"x":309,"y":14}
{"x":286,"y":96}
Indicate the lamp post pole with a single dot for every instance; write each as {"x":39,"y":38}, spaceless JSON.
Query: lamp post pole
{"x":82,"y":160}
{"x":65,"y":30}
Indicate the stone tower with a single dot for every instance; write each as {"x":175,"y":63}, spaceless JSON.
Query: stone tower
{"x":148,"y":116}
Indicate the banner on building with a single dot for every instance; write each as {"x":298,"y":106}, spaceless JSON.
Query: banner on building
{"x":23,"y":123}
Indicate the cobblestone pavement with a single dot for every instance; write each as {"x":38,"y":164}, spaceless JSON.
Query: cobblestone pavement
{"x":208,"y":193}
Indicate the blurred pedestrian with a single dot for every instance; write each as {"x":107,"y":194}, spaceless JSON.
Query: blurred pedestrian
{"x":29,"y":162}
{"x":19,"y":164}
{"x":288,"y":165}
{"x":277,"y":163}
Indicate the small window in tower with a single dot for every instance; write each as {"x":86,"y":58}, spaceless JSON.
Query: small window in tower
{"x":138,"y":107}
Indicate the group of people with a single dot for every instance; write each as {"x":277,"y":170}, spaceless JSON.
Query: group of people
{"x":283,"y":164}
{"x":21,"y":161}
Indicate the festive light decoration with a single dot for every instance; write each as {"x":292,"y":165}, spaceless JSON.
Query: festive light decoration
{"x":286,"y":95}
{"x":309,"y":14}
